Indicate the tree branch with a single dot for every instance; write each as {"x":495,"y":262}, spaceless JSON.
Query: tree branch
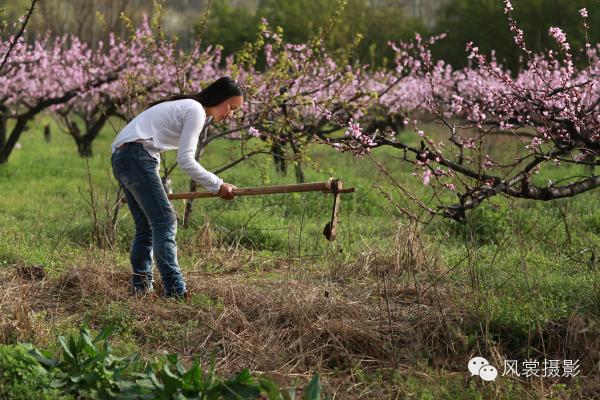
{"x":15,"y":40}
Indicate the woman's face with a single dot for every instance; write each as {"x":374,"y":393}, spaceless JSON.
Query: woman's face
{"x":226,"y":108}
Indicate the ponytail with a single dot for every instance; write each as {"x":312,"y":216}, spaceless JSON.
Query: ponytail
{"x":214,"y":94}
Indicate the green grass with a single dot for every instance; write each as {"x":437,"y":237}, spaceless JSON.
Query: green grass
{"x":516,"y":265}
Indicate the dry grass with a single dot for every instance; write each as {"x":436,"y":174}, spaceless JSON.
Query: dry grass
{"x":284,"y":328}
{"x":382,"y":312}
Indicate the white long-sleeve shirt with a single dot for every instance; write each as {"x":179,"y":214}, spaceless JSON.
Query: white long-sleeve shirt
{"x":172,"y":125}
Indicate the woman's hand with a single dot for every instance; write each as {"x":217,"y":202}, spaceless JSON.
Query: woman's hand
{"x":226,"y":191}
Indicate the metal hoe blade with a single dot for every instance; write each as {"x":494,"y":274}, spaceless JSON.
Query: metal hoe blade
{"x":330,"y":230}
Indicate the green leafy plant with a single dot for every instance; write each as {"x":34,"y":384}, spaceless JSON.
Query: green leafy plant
{"x":89,"y":369}
{"x":22,"y":377}
{"x":311,"y":392}
{"x":88,"y":366}
{"x":174,"y":381}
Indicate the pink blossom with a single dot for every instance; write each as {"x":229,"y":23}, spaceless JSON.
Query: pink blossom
{"x":579,"y":157}
{"x":426,"y":176}
{"x":536,"y":142}
{"x":560,"y":37}
{"x":473,"y":52}
{"x":354,"y":130}
{"x":253,"y":132}
{"x":469,"y":143}
{"x":583,"y":12}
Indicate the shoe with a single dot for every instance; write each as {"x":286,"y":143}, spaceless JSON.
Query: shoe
{"x":185,"y":297}
{"x":152,"y":296}
{"x":150,"y":293}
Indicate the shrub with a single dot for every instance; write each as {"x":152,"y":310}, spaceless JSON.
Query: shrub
{"x":22,"y":377}
{"x":88,"y":369}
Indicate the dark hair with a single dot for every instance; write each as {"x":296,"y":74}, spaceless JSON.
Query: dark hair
{"x":214,"y":94}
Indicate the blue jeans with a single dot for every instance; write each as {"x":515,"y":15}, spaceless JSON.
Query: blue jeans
{"x":155,"y":220}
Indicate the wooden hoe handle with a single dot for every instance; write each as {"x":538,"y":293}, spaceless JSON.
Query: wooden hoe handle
{"x":333,"y":186}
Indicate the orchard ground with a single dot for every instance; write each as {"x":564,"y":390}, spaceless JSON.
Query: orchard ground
{"x":392,"y":309}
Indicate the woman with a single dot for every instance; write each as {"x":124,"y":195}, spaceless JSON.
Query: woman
{"x":172,"y":123}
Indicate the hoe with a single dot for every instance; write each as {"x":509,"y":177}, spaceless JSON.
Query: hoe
{"x":333,"y":186}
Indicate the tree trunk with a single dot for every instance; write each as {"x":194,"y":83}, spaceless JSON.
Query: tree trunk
{"x":299,"y":172}
{"x":298,"y":160}
{"x":189,"y":206}
{"x":84,"y":142}
{"x":84,"y":147}
{"x":9,"y":145}
{"x":47,"y":135}
{"x":93,"y":129}
{"x":2,"y":131}
{"x":3,"y":123}
{"x":279,"y":158}
{"x":590,"y":158}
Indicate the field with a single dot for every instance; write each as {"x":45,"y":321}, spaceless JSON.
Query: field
{"x":392,"y":309}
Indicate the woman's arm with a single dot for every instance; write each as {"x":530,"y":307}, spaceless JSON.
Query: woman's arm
{"x":193,"y":121}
